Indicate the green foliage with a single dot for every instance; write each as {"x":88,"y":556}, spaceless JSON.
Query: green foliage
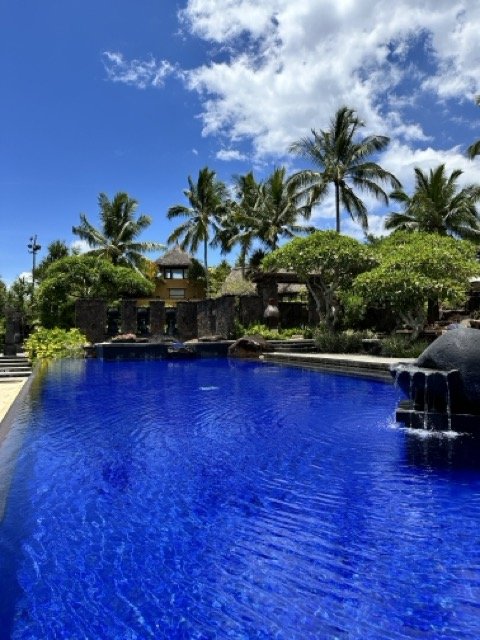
{"x":342,"y":159}
{"x":415,"y":269}
{"x":56,"y":251}
{"x":46,"y":344}
{"x":270,"y":334}
{"x":437,"y":205}
{"x":217,"y":276}
{"x":116,"y":239}
{"x":339,"y":342}
{"x":196,"y":271}
{"x":86,"y":276}
{"x":398,"y":346}
{"x":207,"y":197}
{"x":327,"y":262}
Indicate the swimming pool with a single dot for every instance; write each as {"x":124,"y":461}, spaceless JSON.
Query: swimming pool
{"x":219,"y":499}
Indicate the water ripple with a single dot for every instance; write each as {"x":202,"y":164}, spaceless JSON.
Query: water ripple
{"x":234,"y":500}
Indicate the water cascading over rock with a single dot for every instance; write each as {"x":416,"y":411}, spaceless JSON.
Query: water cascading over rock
{"x":443,"y":385}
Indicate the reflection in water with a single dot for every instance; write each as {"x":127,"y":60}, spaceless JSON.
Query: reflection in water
{"x":439,"y":451}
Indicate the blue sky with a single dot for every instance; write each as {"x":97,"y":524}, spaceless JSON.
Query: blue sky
{"x":122,"y":96}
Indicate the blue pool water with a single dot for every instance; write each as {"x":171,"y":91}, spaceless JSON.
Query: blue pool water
{"x":219,"y":499}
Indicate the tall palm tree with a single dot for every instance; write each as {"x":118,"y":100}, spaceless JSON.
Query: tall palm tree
{"x":239,"y":225}
{"x":280,"y":210}
{"x":474,"y":149}
{"x":438,"y":205}
{"x":207,"y":198}
{"x":342,"y":160}
{"x":116,"y":238}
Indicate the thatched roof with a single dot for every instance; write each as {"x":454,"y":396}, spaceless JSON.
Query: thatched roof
{"x":176,"y":257}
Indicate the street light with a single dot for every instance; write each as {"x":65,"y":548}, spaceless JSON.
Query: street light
{"x":33,"y":248}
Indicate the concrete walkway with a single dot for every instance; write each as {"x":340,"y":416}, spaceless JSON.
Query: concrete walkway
{"x":9,"y":390}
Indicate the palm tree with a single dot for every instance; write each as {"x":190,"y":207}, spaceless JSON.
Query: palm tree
{"x":474,"y":149}
{"x":437,"y":205}
{"x":239,"y":223}
{"x":207,"y":198}
{"x":342,"y":160}
{"x":116,"y":239}
{"x":280,"y":210}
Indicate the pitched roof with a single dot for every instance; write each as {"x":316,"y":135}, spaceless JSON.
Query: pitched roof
{"x":176,"y":257}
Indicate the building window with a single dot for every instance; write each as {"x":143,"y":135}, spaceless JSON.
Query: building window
{"x":177,"y":273}
{"x":176,"y":294}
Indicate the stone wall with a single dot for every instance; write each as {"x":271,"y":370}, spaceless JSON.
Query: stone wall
{"x":128,"y":316}
{"x":157,"y":317}
{"x":225,"y":316}
{"x":250,"y":310}
{"x":267,"y":289}
{"x":206,"y":318}
{"x":91,"y":319}
{"x":187,"y":327}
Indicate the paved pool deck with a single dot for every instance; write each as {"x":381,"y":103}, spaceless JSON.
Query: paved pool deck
{"x":353,"y":364}
{"x":9,"y":390}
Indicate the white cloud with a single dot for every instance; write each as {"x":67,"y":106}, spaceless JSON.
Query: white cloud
{"x":139,"y":73}
{"x":291,"y":65}
{"x":228,"y":155}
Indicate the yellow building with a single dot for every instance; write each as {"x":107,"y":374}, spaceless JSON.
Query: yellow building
{"x":172,"y":283}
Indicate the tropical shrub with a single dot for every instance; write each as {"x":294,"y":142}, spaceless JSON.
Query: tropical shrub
{"x":270,"y":334}
{"x":46,"y":344}
{"x":398,"y":346}
{"x":340,"y":342}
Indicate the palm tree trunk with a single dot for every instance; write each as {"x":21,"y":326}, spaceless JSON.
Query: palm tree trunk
{"x":205,"y":263}
{"x":337,"y":206}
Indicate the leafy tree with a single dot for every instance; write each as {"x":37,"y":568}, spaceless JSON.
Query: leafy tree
{"x":474,"y":149}
{"x":327,"y":262}
{"x":116,"y":239}
{"x":55,"y":251}
{"x":207,"y":198}
{"x":412,"y":269}
{"x":19,"y":297}
{"x":437,"y":205}
{"x":217,"y":276}
{"x":342,"y":160}
{"x":86,"y":276}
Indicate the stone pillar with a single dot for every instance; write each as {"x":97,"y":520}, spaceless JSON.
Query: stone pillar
{"x":225,"y":316}
{"x":128,"y":316}
{"x":157,"y":317}
{"x":13,"y":332}
{"x":250,"y":310}
{"x":267,"y":289}
{"x":91,"y":319}
{"x":206,"y":318}
{"x":187,"y":320}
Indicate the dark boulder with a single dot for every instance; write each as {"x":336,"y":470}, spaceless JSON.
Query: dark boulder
{"x":249,"y":347}
{"x":457,"y":349}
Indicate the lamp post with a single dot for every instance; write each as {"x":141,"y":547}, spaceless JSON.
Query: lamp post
{"x":33,"y":248}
